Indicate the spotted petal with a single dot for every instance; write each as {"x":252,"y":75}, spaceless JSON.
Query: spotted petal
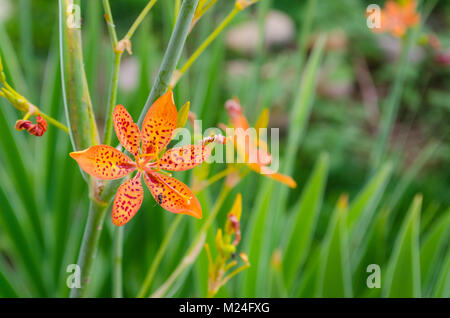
{"x":172,"y":195}
{"x":126,"y":130}
{"x":104,"y":162}
{"x":128,"y":201}
{"x":184,"y":158}
{"x":159,"y":123}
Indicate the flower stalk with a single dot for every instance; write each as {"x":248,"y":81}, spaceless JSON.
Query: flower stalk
{"x":22,"y":104}
{"x":89,"y":245}
{"x":196,"y":246}
{"x":158,"y":258}
{"x":238,"y":7}
{"x":119,"y":47}
{"x":172,"y":55}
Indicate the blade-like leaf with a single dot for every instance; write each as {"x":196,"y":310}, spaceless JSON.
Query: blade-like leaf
{"x":430,"y":252}
{"x":335,"y":274}
{"x":365,"y":203}
{"x":403,"y":272}
{"x":442,"y":288}
{"x":304,"y":220}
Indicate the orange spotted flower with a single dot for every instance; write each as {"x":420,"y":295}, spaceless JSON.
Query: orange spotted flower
{"x":252,"y":149}
{"x":397,"y":17}
{"x":108,"y":163}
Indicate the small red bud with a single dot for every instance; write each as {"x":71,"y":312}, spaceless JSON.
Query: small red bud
{"x":37,"y":129}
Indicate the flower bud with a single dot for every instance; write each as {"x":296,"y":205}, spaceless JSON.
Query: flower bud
{"x":37,"y":129}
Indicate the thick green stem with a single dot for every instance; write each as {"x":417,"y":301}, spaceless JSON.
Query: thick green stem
{"x":77,"y":100}
{"x":172,"y":55}
{"x":196,"y":246}
{"x":89,"y":244}
{"x":117,"y":262}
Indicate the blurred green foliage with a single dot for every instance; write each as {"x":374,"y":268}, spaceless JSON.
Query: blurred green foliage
{"x":325,"y":246}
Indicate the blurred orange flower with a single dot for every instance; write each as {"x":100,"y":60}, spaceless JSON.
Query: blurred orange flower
{"x":398,"y":16}
{"x":253,"y":150}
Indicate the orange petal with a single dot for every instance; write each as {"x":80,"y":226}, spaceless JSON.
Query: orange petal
{"x":172,"y":195}
{"x":126,"y":130}
{"x":128,"y":201}
{"x":249,"y":152}
{"x":287,"y":180}
{"x":104,"y":162}
{"x":237,"y":118}
{"x":184,"y":158}
{"x":159,"y":123}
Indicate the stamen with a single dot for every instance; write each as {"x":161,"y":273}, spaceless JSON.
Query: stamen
{"x":216,"y":138}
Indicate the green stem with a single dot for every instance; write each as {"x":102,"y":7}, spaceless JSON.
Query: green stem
{"x":115,"y":74}
{"x":172,"y":55}
{"x":110,"y":22}
{"x":157,"y":260}
{"x":217,"y":177}
{"x":139,"y":19}
{"x":195,"y":248}
{"x":54,"y":122}
{"x":176,"y":10}
{"x":118,"y":233}
{"x":117,"y":262}
{"x":77,"y":100}
{"x":117,"y":58}
{"x":205,"y":44}
{"x":390,"y":114}
{"x":112,"y":99}
{"x":89,"y":244}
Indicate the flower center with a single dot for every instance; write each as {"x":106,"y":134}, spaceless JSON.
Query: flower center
{"x":143,"y":160}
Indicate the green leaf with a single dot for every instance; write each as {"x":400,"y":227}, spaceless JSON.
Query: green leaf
{"x":364,"y":204}
{"x":304,"y":219}
{"x":403,"y":272}
{"x":362,"y":210}
{"x":308,"y":282}
{"x":432,"y":248}
{"x":442,"y":288}
{"x":335,"y":274}
{"x":411,"y":173}
{"x":182,"y":115}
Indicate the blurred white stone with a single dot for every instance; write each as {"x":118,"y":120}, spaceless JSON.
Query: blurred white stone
{"x":5,"y":10}
{"x":279,"y":32}
{"x":129,"y":74}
